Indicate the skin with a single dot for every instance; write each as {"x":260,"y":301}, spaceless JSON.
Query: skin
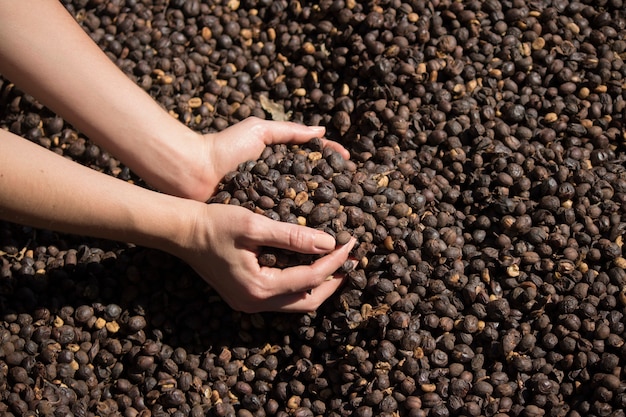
{"x":41,"y":189}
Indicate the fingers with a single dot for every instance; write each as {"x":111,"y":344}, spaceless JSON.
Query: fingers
{"x":290,"y":132}
{"x":267,"y":232}
{"x":305,"y":288}
{"x":287,"y":132}
{"x":337,"y":148}
{"x":304,"y":301}
{"x":305,"y":277}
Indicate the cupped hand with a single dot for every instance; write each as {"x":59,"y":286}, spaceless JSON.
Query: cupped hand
{"x":245,"y":141}
{"x":223,"y":248}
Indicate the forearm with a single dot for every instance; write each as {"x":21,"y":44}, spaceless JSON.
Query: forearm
{"x":44,"y":190}
{"x":45,"y":52}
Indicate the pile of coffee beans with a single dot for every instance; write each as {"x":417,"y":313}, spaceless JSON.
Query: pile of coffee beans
{"x":486,"y":189}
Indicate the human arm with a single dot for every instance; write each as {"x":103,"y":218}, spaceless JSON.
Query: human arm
{"x":44,"y":190}
{"x":48,"y":54}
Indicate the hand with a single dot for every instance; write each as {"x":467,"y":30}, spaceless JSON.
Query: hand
{"x":223,"y":249}
{"x":242,"y":142}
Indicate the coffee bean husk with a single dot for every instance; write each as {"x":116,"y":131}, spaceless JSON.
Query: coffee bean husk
{"x":486,"y":191}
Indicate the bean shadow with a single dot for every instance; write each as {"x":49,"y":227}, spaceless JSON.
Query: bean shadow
{"x":46,"y":270}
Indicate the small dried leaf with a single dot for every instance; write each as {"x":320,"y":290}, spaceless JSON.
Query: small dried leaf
{"x":276,"y":110}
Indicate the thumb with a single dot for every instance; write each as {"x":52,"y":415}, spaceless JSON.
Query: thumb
{"x":290,"y":132}
{"x":293,"y":237}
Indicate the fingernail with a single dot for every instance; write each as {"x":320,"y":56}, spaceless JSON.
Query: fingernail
{"x":323,"y":241}
{"x":320,"y":129}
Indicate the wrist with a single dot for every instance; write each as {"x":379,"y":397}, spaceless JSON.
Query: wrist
{"x":170,"y":161}
{"x":189,"y":228}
